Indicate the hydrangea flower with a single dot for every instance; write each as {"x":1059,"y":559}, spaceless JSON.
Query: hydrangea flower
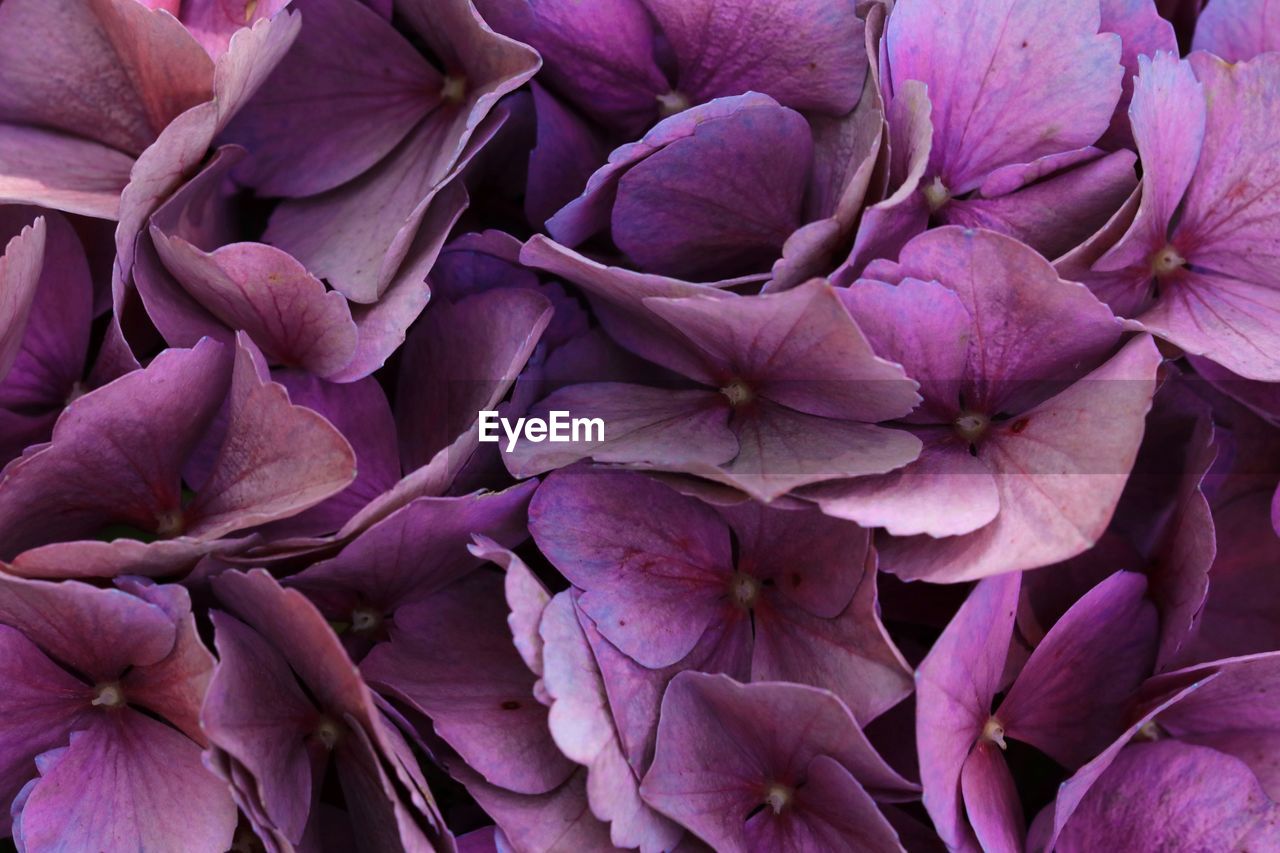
{"x":101,"y":739}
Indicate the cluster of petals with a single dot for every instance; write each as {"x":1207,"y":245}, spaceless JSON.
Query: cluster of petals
{"x":936,"y":351}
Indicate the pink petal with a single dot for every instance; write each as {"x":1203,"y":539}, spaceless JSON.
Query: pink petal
{"x":263,"y":472}
{"x":1001,"y":76}
{"x":135,"y":781}
{"x":955,"y":685}
{"x":991,"y":800}
{"x":655,"y":565}
{"x":450,"y":656}
{"x":1070,"y":699}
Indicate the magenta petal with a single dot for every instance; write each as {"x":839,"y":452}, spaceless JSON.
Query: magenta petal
{"x":451,"y":657}
{"x":460,"y":360}
{"x":720,"y":201}
{"x":1001,"y":75}
{"x":1142,"y":802}
{"x":1058,"y":213}
{"x":360,"y":411}
{"x":815,"y":562}
{"x":617,"y":295}
{"x":100,"y":633}
{"x":414,"y":552}
{"x":781,"y":449}
{"x":183,"y":145}
{"x":886,"y":226}
{"x":63,"y":172}
{"x":921,"y":325}
{"x":20,"y":269}
{"x":1240,"y":614}
{"x":288,"y":312}
{"x":299,"y":151}
{"x":362,"y":235}
{"x":214,"y":23}
{"x":836,"y":813}
{"x":109,"y":71}
{"x":527,"y":600}
{"x":567,"y":153}
{"x":261,"y":474}
{"x":582,"y":726}
{"x":557,"y":820}
{"x":954,"y":688}
{"x":175,"y":686}
{"x":55,"y":342}
{"x":601,"y":58}
{"x":1143,"y":32}
{"x":805,"y":53}
{"x":1050,"y":822}
{"x":1014,"y":296}
{"x":134,"y":780}
{"x":1238,"y":30}
{"x":655,"y":565}
{"x":1070,"y":699}
{"x":991,"y":800}
{"x":850,"y":654}
{"x":263,"y":734}
{"x":1225,"y":305}
{"x":945,"y":492}
{"x":590,"y":212}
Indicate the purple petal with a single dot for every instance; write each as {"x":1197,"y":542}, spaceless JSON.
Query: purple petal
{"x":655,"y":565}
{"x":1142,"y":801}
{"x":451,"y":657}
{"x":1238,"y":30}
{"x":1070,"y":699}
{"x":954,"y":688}
{"x":807,"y":54}
{"x":135,"y":781}
{"x":1001,"y":75}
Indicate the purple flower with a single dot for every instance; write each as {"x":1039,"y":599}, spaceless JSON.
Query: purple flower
{"x":976,"y":96}
{"x":286,"y":706}
{"x":767,"y":766}
{"x":1026,"y":388}
{"x":1193,"y":266}
{"x":1068,"y":699}
{"x":627,"y":62}
{"x":116,"y":466}
{"x":780,"y":390}
{"x":100,"y":737}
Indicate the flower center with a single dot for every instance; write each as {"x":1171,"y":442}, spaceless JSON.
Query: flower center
{"x":971,"y":426}
{"x":170,"y":524}
{"x":109,"y":695}
{"x":937,"y":194}
{"x":778,"y":797}
{"x":365,"y":619}
{"x":744,"y":590}
{"x":738,"y":392}
{"x":672,"y":103}
{"x":994,"y":732}
{"x":1149,"y":731}
{"x":328,"y":732}
{"x":249,"y":9}
{"x":77,"y":391}
{"x":454,"y":89}
{"x":1167,"y":261}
